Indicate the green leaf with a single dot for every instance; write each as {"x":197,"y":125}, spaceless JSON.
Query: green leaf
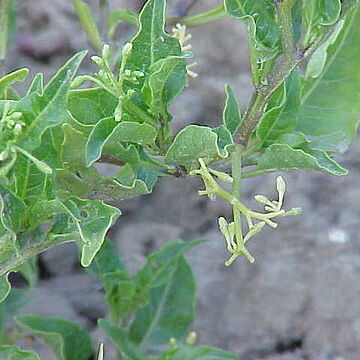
{"x":13,"y":352}
{"x":106,"y":260}
{"x":86,"y":220}
{"x":120,"y":132}
{"x":317,"y":61}
{"x":93,"y":185}
{"x":121,"y":15}
{"x":231,"y":114}
{"x":161,"y":265}
{"x":194,"y":142}
{"x":261,"y":19}
{"x":50,"y":109}
{"x":37,"y":85}
{"x":169,"y":312}
{"x":88,"y":23}
{"x":331,"y":102}
{"x":158,"y":89}
{"x":17,"y":75}
{"x":68,"y":340}
{"x":119,"y":287}
{"x":193,"y":352}
{"x":88,"y":106}
{"x":120,"y":291}
{"x":284,"y":157}
{"x":151,"y":43}
{"x":317,"y":13}
{"x":126,"y":348}
{"x":331,"y":13}
{"x":282,"y":118}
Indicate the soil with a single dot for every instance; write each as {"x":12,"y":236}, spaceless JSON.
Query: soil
{"x":300,"y":300}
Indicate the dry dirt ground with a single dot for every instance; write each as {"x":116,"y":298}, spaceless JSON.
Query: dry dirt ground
{"x":300,"y":300}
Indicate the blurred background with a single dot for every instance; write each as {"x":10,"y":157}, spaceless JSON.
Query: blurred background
{"x":301,"y":298}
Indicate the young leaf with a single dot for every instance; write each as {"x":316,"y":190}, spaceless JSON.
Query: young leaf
{"x":121,"y":15}
{"x":194,"y":142}
{"x":88,"y":23}
{"x":126,"y":348}
{"x":284,"y":157}
{"x":317,"y":61}
{"x":13,"y":352}
{"x":331,"y":102}
{"x":169,"y":312}
{"x":151,"y":43}
{"x":157,"y":90}
{"x":68,"y":340}
{"x":231,"y":113}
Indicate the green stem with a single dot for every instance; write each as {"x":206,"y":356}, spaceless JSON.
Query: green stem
{"x":204,"y":18}
{"x":287,"y":30}
{"x":4,"y":24}
{"x":236,"y":191}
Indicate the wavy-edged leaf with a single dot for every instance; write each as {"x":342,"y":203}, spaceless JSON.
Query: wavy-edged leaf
{"x":169,"y":312}
{"x":68,"y":340}
{"x":284,"y":157}
{"x":151,"y":43}
{"x":231,"y":114}
{"x":260,"y":15}
{"x":194,"y":142}
{"x":15,"y":76}
{"x":93,"y":185}
{"x":41,"y":112}
{"x":107,"y":128}
{"x":86,"y":220}
{"x":161,"y":86}
{"x":331,"y":102}
{"x":13,"y":352}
